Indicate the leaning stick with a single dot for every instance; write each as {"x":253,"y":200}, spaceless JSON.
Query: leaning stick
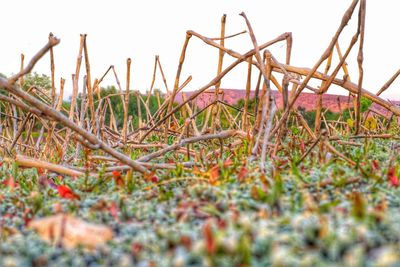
{"x":348,"y":85}
{"x":344,"y":66}
{"x":162,"y":74}
{"x":28,"y":162}
{"x":324,"y":56}
{"x":388,"y":83}
{"x":53,"y":87}
{"x":271,"y":98}
{"x":19,"y":132}
{"x":75,"y":87}
{"x":89,"y":85}
{"x":317,"y":124}
{"x":152,"y":81}
{"x":183,"y":142}
{"x":246,"y":99}
{"x":190,"y":113}
{"x":228,"y":36}
{"x":215,"y":108}
{"x":326,"y":84}
{"x":176,"y":84}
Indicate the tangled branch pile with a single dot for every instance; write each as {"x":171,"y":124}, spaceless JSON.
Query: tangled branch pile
{"x":177,"y":128}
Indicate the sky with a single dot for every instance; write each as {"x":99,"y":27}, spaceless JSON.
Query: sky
{"x":121,"y":29}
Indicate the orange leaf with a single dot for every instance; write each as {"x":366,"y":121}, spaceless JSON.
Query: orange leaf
{"x":214,"y":174}
{"x":242,"y":173}
{"x":228,"y":163}
{"x":151,"y":177}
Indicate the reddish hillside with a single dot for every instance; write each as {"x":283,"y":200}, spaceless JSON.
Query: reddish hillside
{"x":308,"y":101}
{"x":305,"y":100}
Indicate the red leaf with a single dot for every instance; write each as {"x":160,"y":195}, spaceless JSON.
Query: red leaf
{"x":136,"y":248}
{"x":114,"y":211}
{"x":375,"y":165}
{"x":40,"y":170}
{"x":66,"y":192}
{"x":151,"y":177}
{"x":10,"y":182}
{"x":211,"y":246}
{"x":302,"y":147}
{"x":116,"y":174}
{"x":186,"y":241}
{"x":393,"y":179}
{"x":118,"y":178}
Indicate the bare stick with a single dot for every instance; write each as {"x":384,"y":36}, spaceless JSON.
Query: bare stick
{"x":20,"y":130}
{"x":176,"y":85}
{"x":126,"y":100}
{"x":28,"y":162}
{"x":388,"y":83}
{"x":271,"y":98}
{"x":246,"y":99}
{"x":53,"y":87}
{"x":162,"y":75}
{"x":345,"y":84}
{"x":183,"y":142}
{"x":75,"y":88}
{"x":153,"y":80}
{"x":324,"y":56}
{"x":53,"y":41}
{"x":21,"y":80}
{"x":214,"y":118}
{"x":89,"y":85}
{"x":229,"y":36}
{"x":360,"y":59}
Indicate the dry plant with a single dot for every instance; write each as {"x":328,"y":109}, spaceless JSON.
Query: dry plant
{"x":265,"y":128}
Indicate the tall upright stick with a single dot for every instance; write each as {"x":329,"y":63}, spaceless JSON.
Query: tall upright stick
{"x":360,"y":59}
{"x":126,"y":100}
{"x":246,"y":99}
{"x":89,"y":86}
{"x":52,"y":67}
{"x":215,"y":108}
{"x":75,"y":88}
{"x":176,"y":84}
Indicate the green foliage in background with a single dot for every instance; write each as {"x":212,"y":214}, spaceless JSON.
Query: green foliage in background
{"x":37,"y":80}
{"x":118,"y":105}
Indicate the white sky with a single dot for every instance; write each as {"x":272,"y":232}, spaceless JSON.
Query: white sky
{"x":142,"y":29}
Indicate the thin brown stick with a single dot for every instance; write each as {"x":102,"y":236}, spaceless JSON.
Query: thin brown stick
{"x":28,"y":162}
{"x":183,"y":142}
{"x":126,"y":100}
{"x":89,"y":84}
{"x":176,"y":84}
{"x":52,"y":68}
{"x":246,"y":99}
{"x":360,"y":59}
{"x":53,"y":41}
